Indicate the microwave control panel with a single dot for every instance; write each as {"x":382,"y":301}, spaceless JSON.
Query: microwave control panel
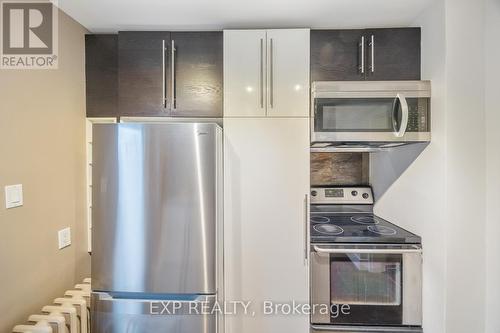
{"x":418,"y":115}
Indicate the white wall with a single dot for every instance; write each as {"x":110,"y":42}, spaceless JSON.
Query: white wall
{"x":419,"y":192}
{"x":442,"y":196}
{"x":466,"y":186}
{"x":492,"y":89}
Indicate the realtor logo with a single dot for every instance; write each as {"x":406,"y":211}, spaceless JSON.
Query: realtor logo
{"x":29,"y":35}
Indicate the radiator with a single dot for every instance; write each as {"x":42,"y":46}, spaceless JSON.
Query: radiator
{"x":68,"y":314}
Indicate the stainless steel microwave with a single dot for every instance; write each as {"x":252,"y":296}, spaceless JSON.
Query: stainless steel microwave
{"x":376,"y":113}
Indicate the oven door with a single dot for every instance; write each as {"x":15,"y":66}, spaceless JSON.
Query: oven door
{"x":366,"y":285}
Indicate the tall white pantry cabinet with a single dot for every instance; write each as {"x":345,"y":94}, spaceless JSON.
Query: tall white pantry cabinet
{"x":266,"y":177}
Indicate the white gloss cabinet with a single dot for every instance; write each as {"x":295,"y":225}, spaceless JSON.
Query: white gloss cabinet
{"x":266,"y":180}
{"x":288,"y":73}
{"x":266,"y":73}
{"x":244,"y":73}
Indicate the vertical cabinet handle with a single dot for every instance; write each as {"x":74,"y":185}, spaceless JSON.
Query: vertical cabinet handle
{"x":271,"y":73}
{"x":174,"y":102}
{"x":306,"y":229}
{"x":164,"y":82}
{"x":261,"y":73}
{"x":372,"y":54}
{"x":362,"y":53}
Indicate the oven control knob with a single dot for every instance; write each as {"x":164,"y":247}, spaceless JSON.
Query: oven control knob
{"x":354,"y":193}
{"x":365,"y":196}
{"x":314,"y":193}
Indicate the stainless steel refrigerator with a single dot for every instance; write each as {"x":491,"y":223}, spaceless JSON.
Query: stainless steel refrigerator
{"x":156,"y":226}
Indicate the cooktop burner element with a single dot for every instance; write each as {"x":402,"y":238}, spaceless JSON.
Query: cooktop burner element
{"x":328,"y":229}
{"x":320,"y":219}
{"x":366,"y":219}
{"x":382,"y":230}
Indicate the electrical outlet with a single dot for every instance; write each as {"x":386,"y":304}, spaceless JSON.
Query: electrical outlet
{"x":13,"y":196}
{"x":64,"y":237}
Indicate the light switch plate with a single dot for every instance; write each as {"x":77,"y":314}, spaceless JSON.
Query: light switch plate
{"x":64,"y":237}
{"x":13,"y":196}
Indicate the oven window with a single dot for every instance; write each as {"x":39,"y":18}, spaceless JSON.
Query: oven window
{"x":366,"y":279}
{"x":354,"y":115}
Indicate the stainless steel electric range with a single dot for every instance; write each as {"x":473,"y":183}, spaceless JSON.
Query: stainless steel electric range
{"x":366,"y":273}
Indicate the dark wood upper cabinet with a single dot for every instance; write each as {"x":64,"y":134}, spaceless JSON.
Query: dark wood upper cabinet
{"x":176,"y":74}
{"x":197,"y":73}
{"x":143,"y":73}
{"x":336,"y":55}
{"x":396,"y":54}
{"x":365,"y":54}
{"x":101,"y":75}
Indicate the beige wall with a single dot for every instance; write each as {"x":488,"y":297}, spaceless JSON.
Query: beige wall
{"x":42,"y":146}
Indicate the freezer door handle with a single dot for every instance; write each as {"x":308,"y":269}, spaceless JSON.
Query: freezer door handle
{"x":105,"y":302}
{"x":167,"y":313}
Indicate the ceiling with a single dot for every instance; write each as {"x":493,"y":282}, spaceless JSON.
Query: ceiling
{"x":114,"y":15}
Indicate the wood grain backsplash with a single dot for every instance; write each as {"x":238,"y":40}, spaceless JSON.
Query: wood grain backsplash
{"x":329,"y":169}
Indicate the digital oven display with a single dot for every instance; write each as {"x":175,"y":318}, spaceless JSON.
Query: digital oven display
{"x":334,"y":193}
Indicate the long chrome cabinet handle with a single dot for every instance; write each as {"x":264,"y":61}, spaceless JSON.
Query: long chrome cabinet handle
{"x":319,"y":249}
{"x":261,"y":73}
{"x":306,"y":224}
{"x":404,"y":119}
{"x":372,"y":53}
{"x":174,"y":102}
{"x":271,"y":73}
{"x":164,"y":82}
{"x":362,"y":46}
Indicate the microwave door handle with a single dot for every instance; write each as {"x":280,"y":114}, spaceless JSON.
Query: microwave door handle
{"x":404,"y":119}
{"x":319,"y":249}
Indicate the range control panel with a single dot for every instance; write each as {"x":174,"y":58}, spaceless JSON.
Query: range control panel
{"x":342,"y":195}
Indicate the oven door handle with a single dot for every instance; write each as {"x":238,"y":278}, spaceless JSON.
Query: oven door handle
{"x":367,"y":329}
{"x":319,"y":249}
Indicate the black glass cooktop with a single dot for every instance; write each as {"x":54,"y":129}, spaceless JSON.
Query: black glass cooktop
{"x":357,"y":228}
